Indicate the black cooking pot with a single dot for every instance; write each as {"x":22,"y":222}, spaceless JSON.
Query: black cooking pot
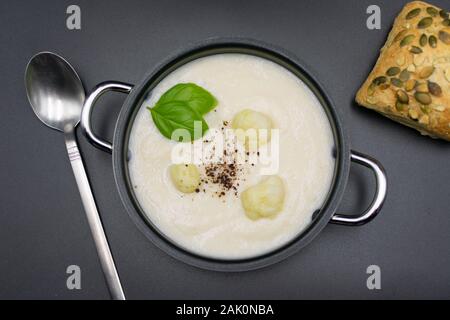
{"x":137,"y":94}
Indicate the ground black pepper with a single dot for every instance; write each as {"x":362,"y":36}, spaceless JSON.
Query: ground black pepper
{"x":223,"y":176}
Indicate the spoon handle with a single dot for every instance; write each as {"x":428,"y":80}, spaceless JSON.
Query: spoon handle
{"x":95,"y":223}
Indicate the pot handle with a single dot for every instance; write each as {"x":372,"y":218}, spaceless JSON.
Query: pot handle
{"x":380,"y":194}
{"x":86,"y":113}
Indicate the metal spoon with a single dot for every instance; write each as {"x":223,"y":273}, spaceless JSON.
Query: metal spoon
{"x":56,"y":95}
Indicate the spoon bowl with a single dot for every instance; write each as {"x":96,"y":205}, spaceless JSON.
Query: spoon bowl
{"x":54,"y":90}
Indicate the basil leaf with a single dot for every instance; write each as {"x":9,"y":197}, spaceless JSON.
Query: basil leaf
{"x":173,"y":115}
{"x":194,"y":96}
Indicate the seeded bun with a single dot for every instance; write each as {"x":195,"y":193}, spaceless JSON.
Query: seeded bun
{"x":410,"y":82}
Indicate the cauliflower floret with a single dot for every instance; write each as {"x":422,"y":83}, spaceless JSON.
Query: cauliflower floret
{"x":265,"y":199}
{"x":255,"y":128}
{"x":185,"y":177}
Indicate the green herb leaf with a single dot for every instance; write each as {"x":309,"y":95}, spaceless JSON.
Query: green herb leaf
{"x":194,"y":96}
{"x":181,"y":108}
{"x":175,"y":115}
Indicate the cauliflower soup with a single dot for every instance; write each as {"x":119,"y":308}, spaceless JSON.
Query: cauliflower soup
{"x":233,"y":210}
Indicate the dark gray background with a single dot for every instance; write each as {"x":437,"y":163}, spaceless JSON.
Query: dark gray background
{"x":42,"y":224}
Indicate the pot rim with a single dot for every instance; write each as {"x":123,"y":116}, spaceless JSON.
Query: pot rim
{"x":139,"y":92}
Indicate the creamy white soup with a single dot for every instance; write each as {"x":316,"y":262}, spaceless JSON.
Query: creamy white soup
{"x":212,"y":221}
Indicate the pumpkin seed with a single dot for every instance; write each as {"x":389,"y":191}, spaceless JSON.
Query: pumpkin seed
{"x":425,"y":109}
{"x":439,"y":108}
{"x":432,"y":11}
{"x":415,"y":50}
{"x":400,"y":35}
{"x":432,"y":41}
{"x":397,"y":82}
{"x":425,"y":23}
{"x":434,"y":89}
{"x":401,"y":60}
{"x":418,"y":60}
{"x":444,"y":37}
{"x":371,"y":89}
{"x":372,"y":100}
{"x":411,"y":67}
{"x":443,"y":14}
{"x":393,"y":71}
{"x":423,"y":40}
{"x":402,"y":96}
{"x":413,"y":114}
{"x":404,"y":75}
{"x":413,"y":13}
{"x":441,"y":60}
{"x":446,"y":22}
{"x":422,"y":87}
{"x":447,"y":74}
{"x":379,"y":80}
{"x":407,"y":40}
{"x":423,"y":98}
{"x":425,"y":72}
{"x":410,"y":84}
{"x":400,"y":106}
{"x":425,"y":119}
